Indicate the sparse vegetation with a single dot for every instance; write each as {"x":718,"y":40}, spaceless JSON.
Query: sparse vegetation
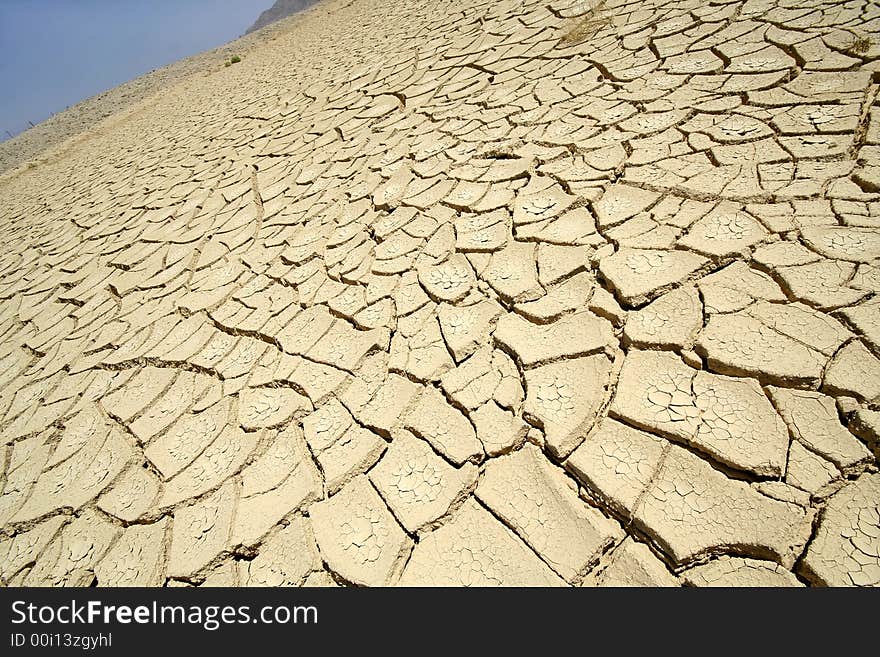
{"x":585,"y":26}
{"x":235,"y":59}
{"x":861,"y":44}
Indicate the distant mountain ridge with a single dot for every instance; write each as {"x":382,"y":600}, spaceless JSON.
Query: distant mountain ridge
{"x":281,"y":9}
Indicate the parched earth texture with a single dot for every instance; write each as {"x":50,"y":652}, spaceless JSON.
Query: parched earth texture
{"x":468,"y":293}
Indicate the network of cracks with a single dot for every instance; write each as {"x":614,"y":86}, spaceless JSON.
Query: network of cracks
{"x":466,"y":293}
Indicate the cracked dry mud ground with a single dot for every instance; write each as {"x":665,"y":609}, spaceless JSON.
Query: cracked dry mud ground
{"x":519,"y":293}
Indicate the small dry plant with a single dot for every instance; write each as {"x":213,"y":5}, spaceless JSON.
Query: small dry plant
{"x":585,"y":26}
{"x":861,"y":44}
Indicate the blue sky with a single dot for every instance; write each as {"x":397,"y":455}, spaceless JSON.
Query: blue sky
{"x":55,"y":53}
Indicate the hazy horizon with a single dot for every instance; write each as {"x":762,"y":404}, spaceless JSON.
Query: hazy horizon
{"x":56,"y":53}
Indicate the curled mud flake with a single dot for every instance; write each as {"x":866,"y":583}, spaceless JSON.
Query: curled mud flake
{"x":724,"y":231}
{"x":187,"y":438}
{"x":645,"y":263}
{"x":79,"y":479}
{"x":352,"y":454}
{"x":71,"y":558}
{"x":846,"y":548}
{"x":417,"y":484}
{"x":632,"y":564}
{"x":385,"y":408}
{"x":131,"y":495}
{"x":269,"y":407}
{"x":853,"y":371}
{"x":728,"y":419}
{"x":620,"y":202}
{"x":497,"y":429}
{"x":512,"y":272}
{"x":740,"y":344}
{"x":692,"y":510}
{"x":671,"y":320}
{"x":16,"y":552}
{"x":738,"y":425}
{"x":449,"y":281}
{"x":85,"y":426}
{"x":201,"y":531}
{"x":216,"y":464}
{"x":823,"y":284}
{"x":364,"y":543}
{"x":809,"y":471}
{"x":616,"y":462}
{"x":637,"y":274}
{"x":571,"y":336}
{"x":287,"y":557}
{"x":135,"y":395}
{"x":182,"y":394}
{"x":137,"y":558}
{"x":655,"y":392}
{"x":535,"y":499}
{"x":736,"y":571}
{"x":282,"y":480}
{"x":326,"y":424}
{"x":444,"y":426}
{"x":812,"y":418}
{"x":563,"y":398}
{"x":474,"y":549}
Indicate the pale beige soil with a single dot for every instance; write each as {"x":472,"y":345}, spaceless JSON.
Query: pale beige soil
{"x":460,"y":293}
{"x":32,"y":144}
